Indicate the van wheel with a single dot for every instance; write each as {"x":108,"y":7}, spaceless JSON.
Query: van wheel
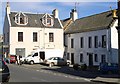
{"x":31,"y":62}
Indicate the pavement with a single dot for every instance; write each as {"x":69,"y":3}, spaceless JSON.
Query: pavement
{"x":107,"y":80}
{"x":90,"y":75}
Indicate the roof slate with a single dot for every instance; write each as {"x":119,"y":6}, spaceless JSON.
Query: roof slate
{"x":34,"y":20}
{"x":91,"y":23}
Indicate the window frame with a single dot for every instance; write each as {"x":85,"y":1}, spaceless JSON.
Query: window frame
{"x":51,"y":37}
{"x":81,"y":57}
{"x":96,"y":41}
{"x":20,"y":36}
{"x":81,"y":42}
{"x":89,"y":42}
{"x":72,"y":42}
{"x":47,"y":20}
{"x":104,"y":41}
{"x":18,"y":19}
{"x":96,"y":57}
{"x":35,"y":37}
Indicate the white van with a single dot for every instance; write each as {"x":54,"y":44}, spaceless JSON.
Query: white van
{"x":39,"y":56}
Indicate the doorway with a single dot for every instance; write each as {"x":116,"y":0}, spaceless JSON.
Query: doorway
{"x":20,"y":51}
{"x":72,"y":58}
{"x":90,"y":59}
{"x":42,"y":55}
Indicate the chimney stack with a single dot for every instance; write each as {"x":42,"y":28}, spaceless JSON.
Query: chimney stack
{"x":55,"y":13}
{"x":114,"y":13}
{"x":73,"y":14}
{"x":8,"y":8}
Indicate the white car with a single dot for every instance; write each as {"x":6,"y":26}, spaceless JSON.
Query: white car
{"x":56,"y":61}
{"x":23,"y":59}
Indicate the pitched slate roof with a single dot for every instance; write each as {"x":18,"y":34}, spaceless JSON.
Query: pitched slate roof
{"x":32,"y":19}
{"x":91,"y":23}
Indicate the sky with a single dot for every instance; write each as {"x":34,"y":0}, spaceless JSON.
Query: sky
{"x":84,"y":8}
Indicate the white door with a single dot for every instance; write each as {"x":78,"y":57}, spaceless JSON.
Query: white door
{"x":36,"y":58}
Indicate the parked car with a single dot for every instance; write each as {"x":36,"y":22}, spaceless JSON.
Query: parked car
{"x":4,"y":72}
{"x":23,"y":60}
{"x":12,"y":58}
{"x":56,"y":61}
{"x":108,"y":67}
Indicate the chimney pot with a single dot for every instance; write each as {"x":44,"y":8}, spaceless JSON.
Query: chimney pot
{"x":55,"y":13}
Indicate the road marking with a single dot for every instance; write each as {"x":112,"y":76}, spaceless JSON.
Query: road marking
{"x":86,"y":79}
{"x":37,"y":70}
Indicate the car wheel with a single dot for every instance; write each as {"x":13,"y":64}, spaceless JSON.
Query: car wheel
{"x":51,"y":64}
{"x":31,"y":62}
{"x":68,"y":63}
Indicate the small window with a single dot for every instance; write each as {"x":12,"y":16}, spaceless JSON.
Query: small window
{"x":34,"y":36}
{"x":96,"y":58}
{"x":81,"y":57}
{"x":103,"y":41}
{"x":47,"y":20}
{"x":72,"y":43}
{"x":51,"y":37}
{"x":89,"y":42}
{"x":81,"y":42}
{"x":96,"y":41}
{"x":20,"y":36}
{"x":21,"y":19}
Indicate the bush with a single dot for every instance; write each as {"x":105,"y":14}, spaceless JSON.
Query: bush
{"x":83,"y":66}
{"x":76,"y":66}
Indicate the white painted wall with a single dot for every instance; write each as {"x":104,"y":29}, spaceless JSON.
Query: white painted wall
{"x":77,"y":50}
{"x":43,"y":39}
{"x":114,"y":42}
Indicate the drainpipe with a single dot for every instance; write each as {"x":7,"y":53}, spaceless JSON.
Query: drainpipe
{"x":108,"y":47}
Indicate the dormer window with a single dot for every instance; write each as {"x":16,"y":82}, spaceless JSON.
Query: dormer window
{"x":21,"y":19}
{"x":47,"y":20}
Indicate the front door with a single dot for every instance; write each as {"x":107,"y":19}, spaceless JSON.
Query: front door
{"x":72,"y":58}
{"x":20,"y":51}
{"x":90,"y":59}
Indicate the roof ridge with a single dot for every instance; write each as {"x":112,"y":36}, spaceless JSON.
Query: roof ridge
{"x":95,"y":14}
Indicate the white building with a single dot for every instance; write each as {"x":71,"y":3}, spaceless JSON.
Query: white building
{"x":25,"y":32}
{"x":92,"y":39}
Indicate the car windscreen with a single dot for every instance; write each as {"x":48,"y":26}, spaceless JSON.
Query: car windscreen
{"x":50,"y":58}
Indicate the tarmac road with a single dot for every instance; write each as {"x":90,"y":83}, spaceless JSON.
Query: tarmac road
{"x":25,"y":74}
